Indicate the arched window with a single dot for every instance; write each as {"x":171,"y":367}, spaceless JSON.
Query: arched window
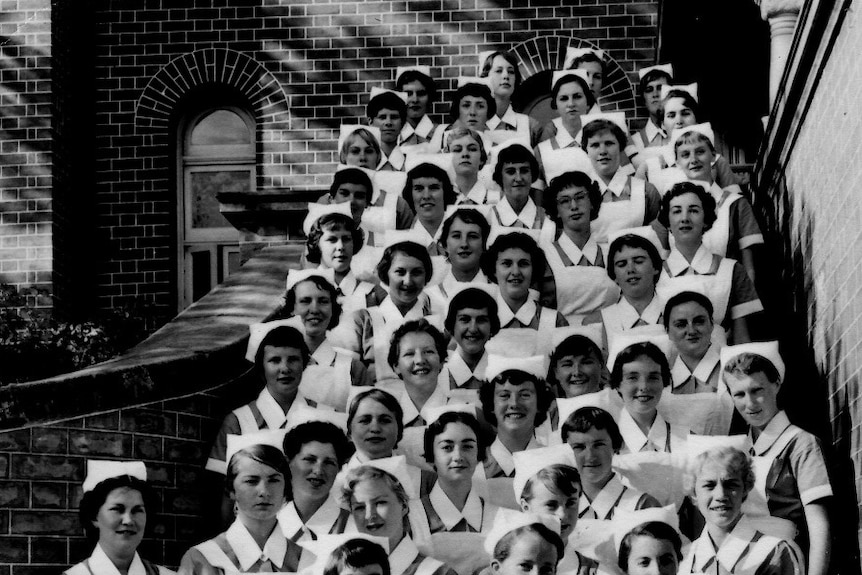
{"x":218,"y":155}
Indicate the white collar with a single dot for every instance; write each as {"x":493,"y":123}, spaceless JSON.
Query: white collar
{"x":770,"y":434}
{"x":735,"y":544}
{"x":651,"y":315}
{"x":606,"y":500}
{"x":100,"y":563}
{"x":701,"y":263}
{"x":503,"y":456}
{"x":652,"y":131}
{"x":348,"y":284}
{"x":525,"y":314}
{"x":617,"y":184}
{"x":449,"y":282}
{"x":271,"y":410}
{"x":324,"y":354}
{"x":449,"y":514}
{"x":402,"y":556}
{"x":563,"y":137}
{"x":390,"y":311}
{"x":590,"y":251}
{"x":680,"y":371}
{"x":635,"y":439}
{"x":477,"y":194}
{"x":427,"y":238}
{"x":422,"y":129}
{"x":247,"y":551}
{"x":395,"y":159}
{"x":460,"y":372}
{"x":318,"y":524}
{"x":509,"y":117}
{"x":508,"y":216}
{"x":436,"y":399}
{"x":355,"y":461}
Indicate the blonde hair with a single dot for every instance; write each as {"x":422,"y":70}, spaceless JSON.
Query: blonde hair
{"x":734,"y":460}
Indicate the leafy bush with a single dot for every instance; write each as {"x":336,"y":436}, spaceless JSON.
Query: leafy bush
{"x":35,"y":345}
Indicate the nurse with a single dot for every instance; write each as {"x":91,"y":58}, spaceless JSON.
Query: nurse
{"x":576,"y":260}
{"x":504,"y":77}
{"x":651,"y":79}
{"x":472,"y":105}
{"x":428,"y":192}
{"x":387,"y":111}
{"x":577,"y":366}
{"x":688,"y":322}
{"x":571,"y":97}
{"x":590,"y":61}
{"x":515,"y":172}
{"x":421,"y":90}
{"x":688,"y":211}
{"x":469,"y":155}
{"x":375,"y":426}
{"x":463,"y":239}
{"x":114,"y":509}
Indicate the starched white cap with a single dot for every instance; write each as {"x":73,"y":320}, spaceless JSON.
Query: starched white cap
{"x":593,"y":332}
{"x":564,"y":160}
{"x":623,"y":340}
{"x":258,"y":331}
{"x":426,"y":70}
{"x":514,"y":342}
{"x":691,"y":89}
{"x":378,"y":91}
{"x":434,"y":413}
{"x":646,"y":232}
{"x":530,"y":461}
{"x":560,"y":74}
{"x":704,"y":129}
{"x":295,"y":276}
{"x":464,"y":80}
{"x":666,"y":68}
{"x":317,"y":211}
{"x":99,"y":470}
{"x":573,"y":54}
{"x":601,"y":399}
{"x":397,"y":467}
{"x":507,"y":520}
{"x":497,"y":364}
{"x":766,"y":349}
{"x":273,"y":437}
{"x":497,"y":231}
{"x":346,"y":130}
{"x":618,"y":118}
{"x":624,"y":522}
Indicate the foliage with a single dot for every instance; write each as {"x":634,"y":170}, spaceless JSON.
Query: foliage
{"x":35,"y":345}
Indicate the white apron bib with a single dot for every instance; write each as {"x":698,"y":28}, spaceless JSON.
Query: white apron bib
{"x":615,"y":216}
{"x":717,"y":237}
{"x":581,"y":290}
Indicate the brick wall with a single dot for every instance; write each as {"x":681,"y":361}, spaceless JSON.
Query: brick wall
{"x":25,"y":149}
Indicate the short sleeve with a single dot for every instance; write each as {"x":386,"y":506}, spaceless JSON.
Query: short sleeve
{"x":783,"y":560}
{"x":743,"y":296}
{"x":218,"y":454}
{"x":809,"y":469}
{"x":653,"y":203}
{"x":746,"y":227}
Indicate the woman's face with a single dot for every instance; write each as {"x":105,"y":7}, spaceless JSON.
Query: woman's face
{"x":677,"y":115}
{"x":428,"y":199}
{"x":121,"y":521}
{"x":472,"y":330}
{"x":314,"y":306}
{"x":635,"y":273}
{"x":258,"y":490}
{"x":336,"y":248}
{"x":473,"y":112}
{"x":514,"y":271}
{"x":574,"y":207}
{"x":595,"y":73}
{"x":687,"y":219}
{"x":313,"y":470}
{"x":690,"y":329}
{"x":282,"y":370}
{"x":360,"y":153}
{"x":578,"y":374}
{"x":516,"y":406}
{"x":641,"y":386}
{"x":374,"y":429}
{"x":464,"y":246}
{"x":467,"y":156}
{"x":603,"y":149}
{"x":377,"y":510}
{"x":553,"y":504}
{"x":517,"y":179}
{"x":719,"y":493}
{"x":594,"y":453}
{"x":406,"y":279}
{"x":418,"y":360}
{"x":502,"y":76}
{"x":651,"y":556}
{"x":456,"y":453}
{"x":358,"y":196}
{"x":696,"y":159}
{"x":417,"y":100}
{"x":530,"y":554}
{"x":652,"y":95}
{"x":571,"y":101}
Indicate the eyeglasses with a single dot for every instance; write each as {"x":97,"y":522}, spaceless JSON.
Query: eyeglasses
{"x":565,"y":201}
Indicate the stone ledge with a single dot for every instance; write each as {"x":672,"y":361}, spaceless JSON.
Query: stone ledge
{"x":200,"y":348}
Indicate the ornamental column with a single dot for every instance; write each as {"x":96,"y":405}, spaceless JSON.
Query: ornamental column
{"x":782,"y":16}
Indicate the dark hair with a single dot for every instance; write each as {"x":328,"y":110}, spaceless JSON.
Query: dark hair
{"x":586,"y":418}
{"x":568,"y":79}
{"x":352,"y":175}
{"x":634,"y":351}
{"x":687,"y":99}
{"x":750,"y":363}
{"x":655,"y":529}
{"x":586,"y":57}
{"x":558,"y":478}
{"x":263,"y":454}
{"x":686,"y":297}
{"x":544,"y":395}
{"x":356,"y":554}
{"x":427,"y":170}
{"x":417,"y":76}
{"x":386,"y":101}
{"x":439,"y":426}
{"x":652,"y":76}
{"x":602,"y":125}
{"x":468,"y":216}
{"x":93,"y":500}
{"x":633,"y":241}
{"x":367,"y":137}
{"x":472,"y":298}
{"x":282,"y":336}
{"x":320,"y":431}
{"x":330,"y":222}
{"x":504,"y":545}
{"x":509,"y":57}
{"x":408,"y":248}
{"x":574,"y":345}
{"x":682,"y":188}
{"x":321,"y":283}
{"x":568,"y":180}
{"x":416,"y":326}
{"x":509,"y":241}
{"x":385,"y":399}
{"x":475,"y":90}
{"x":515,"y":154}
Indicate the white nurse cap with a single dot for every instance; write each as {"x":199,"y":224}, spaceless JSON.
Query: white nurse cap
{"x":623,"y":340}
{"x":573,"y":54}
{"x":564,"y":160}
{"x":272,"y":437}
{"x":346,"y":131}
{"x":258,"y":331}
{"x":400,"y":70}
{"x":534,"y":366}
{"x":317,"y":211}
{"x":99,"y":470}
{"x":704,"y":129}
{"x":666,"y":68}
{"x":766,"y":349}
{"x":508,"y":520}
{"x":295,"y":276}
{"x":624,"y":522}
{"x":691,"y":89}
{"x":560,"y":74}
{"x":308,"y":414}
{"x":377,"y":91}
{"x":530,"y":461}
{"x":397,"y":467}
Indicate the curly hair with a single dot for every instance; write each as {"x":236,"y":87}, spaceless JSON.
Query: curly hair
{"x":544,"y":395}
{"x":432,"y":171}
{"x":514,"y":240}
{"x":566,"y":181}
{"x":439,"y":426}
{"x":415,"y":326}
{"x":632,"y":353}
{"x":682,"y":188}
{"x":93,"y":500}
{"x":322,"y":432}
{"x":735,"y":461}
{"x":409,"y":249}
{"x":332,"y":223}
{"x":322,"y":284}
